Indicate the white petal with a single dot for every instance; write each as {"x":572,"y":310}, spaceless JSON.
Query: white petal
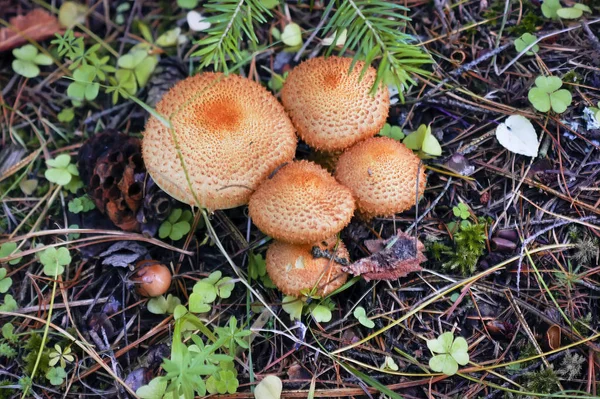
{"x":517,"y":135}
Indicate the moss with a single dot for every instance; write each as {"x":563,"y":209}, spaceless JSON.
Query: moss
{"x":469,"y":244}
{"x":529,"y":23}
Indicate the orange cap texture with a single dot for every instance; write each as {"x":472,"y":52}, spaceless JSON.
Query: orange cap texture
{"x":232,"y":134}
{"x":382,"y":174}
{"x":331,"y":108}
{"x":302,"y":203}
{"x":293,"y":268}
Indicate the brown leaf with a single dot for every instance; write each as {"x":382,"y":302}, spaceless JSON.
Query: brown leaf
{"x":389,"y":263}
{"x":36,"y":25}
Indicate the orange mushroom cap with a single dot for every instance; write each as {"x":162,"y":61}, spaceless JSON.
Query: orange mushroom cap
{"x":382,"y":174}
{"x":302,"y":203}
{"x":152,"y":278}
{"x":293,"y":268}
{"x":331,"y":107}
{"x":232,"y":134}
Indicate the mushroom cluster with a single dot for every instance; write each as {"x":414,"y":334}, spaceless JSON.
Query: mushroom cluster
{"x":232,"y":143}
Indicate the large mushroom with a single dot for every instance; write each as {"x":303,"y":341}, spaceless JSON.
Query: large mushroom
{"x":296,"y":268}
{"x":332,"y":106}
{"x":228,"y":131}
{"x":301,"y":204}
{"x":384,"y":176}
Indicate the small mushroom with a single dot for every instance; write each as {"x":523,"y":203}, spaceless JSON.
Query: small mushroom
{"x":301,"y":204}
{"x":230,"y":132}
{"x":294,"y":268}
{"x":151,"y":278}
{"x":382,"y":174}
{"x":331,"y":106}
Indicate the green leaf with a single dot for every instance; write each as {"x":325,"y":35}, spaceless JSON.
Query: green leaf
{"x":8,"y":333}
{"x":414,"y":141}
{"x":25,"y":68}
{"x":197,"y":304}
{"x":154,"y":390}
{"x":175,"y":215}
{"x":269,"y":4}
{"x":56,"y":375}
{"x":54,"y":260}
{"x":178,"y":230}
{"x":549,"y":8}
{"x":157,"y":305}
{"x":560,"y":100}
{"x":42,"y":59}
{"x":5,"y":282}
{"x":292,"y":306}
{"x":169,"y":38}
{"x":9,"y":304}
{"x":292,"y":35}
{"x":61,"y":161}
{"x":443,"y":364}
{"x":431,"y":145}
{"x":225,"y":287}
{"x":66,"y":115}
{"x":58,"y":176}
{"x":206,"y":292}
{"x":71,"y":13}
{"x":524,"y":41}
{"x":539,"y":98}
{"x":389,"y":364}
{"x":321,"y":314}
{"x":569,"y":13}
{"x":7,"y":249}
{"x":443,"y":344}
{"x":179,"y":312}
{"x":26,"y":53}
{"x":187,"y":4}
{"x":144,"y":70}
{"x":213,"y":278}
{"x":548,"y":83}
{"x":269,"y":388}
{"x":583,"y":7}
{"x":91,"y":91}
{"x":165,"y":229}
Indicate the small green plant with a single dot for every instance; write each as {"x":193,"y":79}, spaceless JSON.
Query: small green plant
{"x":361,"y":315}
{"x":424,"y":142}
{"x":66,"y":115}
{"x":81,"y":204}
{"x":469,"y":242}
{"x":162,"y":305}
{"x":60,"y":355}
{"x":549,"y":8}
{"x":8,"y":249}
{"x":257,"y":270}
{"x":27,"y":59}
{"x":177,"y":225}
{"x":231,"y":336}
{"x":448,"y":353}
{"x":321,"y":311}
{"x":574,"y":12}
{"x":461,"y":211}
{"x":292,"y":35}
{"x":5,"y":282}
{"x":206,"y":291}
{"x":9,"y":304}
{"x":136,"y":67}
{"x":292,"y":306}
{"x":56,"y":375}
{"x":547,"y":94}
{"x":64,"y":173}
{"x":393,"y":132}
{"x":544,"y":381}
{"x":389,"y":364}
{"x":525,"y":41}
{"x":55,"y":260}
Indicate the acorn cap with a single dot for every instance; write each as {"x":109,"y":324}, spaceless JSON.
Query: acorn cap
{"x":302,"y":203}
{"x":293,"y":268}
{"x":331,"y":108}
{"x":232,"y":134}
{"x":382,"y":174}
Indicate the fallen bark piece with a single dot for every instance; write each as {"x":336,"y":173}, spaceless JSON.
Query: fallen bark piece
{"x":36,"y":25}
{"x":391,"y":259}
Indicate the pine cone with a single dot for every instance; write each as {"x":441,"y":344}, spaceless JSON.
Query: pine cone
{"x":111,"y":167}
{"x":169,"y":71}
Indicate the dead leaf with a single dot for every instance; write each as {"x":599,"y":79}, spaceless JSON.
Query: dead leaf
{"x":36,"y":25}
{"x":389,"y":263}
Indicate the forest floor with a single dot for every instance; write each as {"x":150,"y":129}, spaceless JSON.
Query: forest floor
{"x":511,"y":240}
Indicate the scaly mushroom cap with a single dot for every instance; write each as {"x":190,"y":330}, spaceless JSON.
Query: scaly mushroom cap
{"x":302,"y":203}
{"x":232,"y":134}
{"x":293,"y":268}
{"x":382,"y":174}
{"x":331,"y":108}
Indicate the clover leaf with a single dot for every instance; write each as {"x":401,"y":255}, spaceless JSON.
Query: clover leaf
{"x":27,"y":61}
{"x":55,"y":260}
{"x":5,"y":282}
{"x":321,"y":313}
{"x":389,"y":364}
{"x":461,"y":210}
{"x":361,"y":315}
{"x":525,"y":41}
{"x":66,"y":115}
{"x":393,"y":132}
{"x":292,"y":35}
{"x":8,"y":332}
{"x":60,"y":170}
{"x":162,"y":305}
{"x":257,"y":268}
{"x":154,"y":390}
{"x":176,"y":226}
{"x":423,"y":141}
{"x":449,"y":353}
{"x":549,"y":8}
{"x":224,"y":287}
{"x":81,"y":204}
{"x":547,"y":95}
{"x":223,"y":381}
{"x":9,"y":304}
{"x":7,"y":249}
{"x":573,"y":12}
{"x":140,"y":64}
{"x":292,"y":306}
{"x":83,"y":86}
{"x":56,"y":375}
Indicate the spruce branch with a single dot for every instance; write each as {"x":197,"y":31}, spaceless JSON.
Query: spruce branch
{"x":373,"y":34}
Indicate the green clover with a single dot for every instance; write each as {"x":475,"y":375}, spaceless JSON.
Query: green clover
{"x":525,"y":41}
{"x":423,"y":141}
{"x":549,"y":8}
{"x":27,"y":60}
{"x":361,"y":315}
{"x":154,"y":390}
{"x":450,"y":353}
{"x":574,"y":12}
{"x":224,"y":287}
{"x":393,"y":132}
{"x":81,"y":204}
{"x":292,"y":306}
{"x":139,"y":64}
{"x":83,"y":86}
{"x":66,"y":115}
{"x":9,"y":334}
{"x":389,"y":364}
{"x":5,"y":282}
{"x":60,"y":170}
{"x":321,"y":313}
{"x":223,"y":381}
{"x":55,"y":260}
{"x":176,"y":226}
{"x":257,"y":268}
{"x":461,"y":210}
{"x":9,"y":304}
{"x":7,"y":249}
{"x":162,"y":305}
{"x":547,"y":95}
{"x":56,"y":375}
